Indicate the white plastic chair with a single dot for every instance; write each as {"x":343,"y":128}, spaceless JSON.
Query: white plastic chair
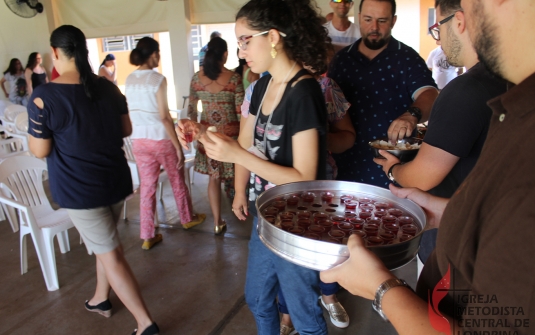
{"x":10,"y":113}
{"x":21,"y":183}
{"x":3,"y":105}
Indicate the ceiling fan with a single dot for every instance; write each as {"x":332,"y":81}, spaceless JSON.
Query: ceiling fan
{"x":25,"y":8}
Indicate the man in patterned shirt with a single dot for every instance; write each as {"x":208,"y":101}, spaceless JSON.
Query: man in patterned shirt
{"x":388,"y":85}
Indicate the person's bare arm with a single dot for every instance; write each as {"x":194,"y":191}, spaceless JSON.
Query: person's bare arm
{"x":404,"y":125}
{"x":341,"y":135}
{"x":104,"y":73}
{"x":126,"y":125}
{"x":428,"y":169}
{"x":2,"y":81}
{"x":167,"y":120}
{"x":28,"y":77}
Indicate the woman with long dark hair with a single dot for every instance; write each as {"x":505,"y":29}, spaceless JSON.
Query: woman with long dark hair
{"x":221,"y":93}
{"x":14,"y":75}
{"x":154,"y":140}
{"x":245,"y":72}
{"x":35,"y":73}
{"x":108,"y":68}
{"x":78,"y":122}
{"x":284,"y":142}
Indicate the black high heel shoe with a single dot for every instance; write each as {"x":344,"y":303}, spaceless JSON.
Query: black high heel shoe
{"x":150,"y":330}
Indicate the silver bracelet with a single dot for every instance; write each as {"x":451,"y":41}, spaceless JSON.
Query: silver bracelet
{"x":381,"y":290}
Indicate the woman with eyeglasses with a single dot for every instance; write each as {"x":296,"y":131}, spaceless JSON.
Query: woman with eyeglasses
{"x":221,"y":93}
{"x":283,"y":141}
{"x":14,"y":75}
{"x":35,"y":74}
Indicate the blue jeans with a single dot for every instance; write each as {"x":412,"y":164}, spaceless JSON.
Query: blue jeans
{"x":266,"y":274}
{"x":325,"y":289}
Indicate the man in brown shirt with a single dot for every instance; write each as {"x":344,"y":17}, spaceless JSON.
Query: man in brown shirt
{"x":482,"y":271}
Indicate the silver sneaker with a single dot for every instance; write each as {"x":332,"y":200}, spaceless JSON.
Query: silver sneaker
{"x":338,"y":314}
{"x":286,"y":330}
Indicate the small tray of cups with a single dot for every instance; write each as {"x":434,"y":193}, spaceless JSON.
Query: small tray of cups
{"x":308,"y":223}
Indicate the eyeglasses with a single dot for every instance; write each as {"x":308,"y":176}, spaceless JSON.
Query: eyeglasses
{"x":340,"y":1}
{"x":434,"y":31}
{"x":242,"y":41}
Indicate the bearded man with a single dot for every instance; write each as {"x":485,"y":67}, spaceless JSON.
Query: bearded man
{"x":388,"y":85}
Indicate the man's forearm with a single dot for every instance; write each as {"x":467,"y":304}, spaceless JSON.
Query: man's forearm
{"x":424,"y":101}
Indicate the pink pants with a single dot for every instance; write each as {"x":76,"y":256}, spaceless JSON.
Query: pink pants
{"x":150,"y":155}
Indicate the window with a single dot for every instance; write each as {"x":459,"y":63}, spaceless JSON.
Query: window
{"x":196,"y":40}
{"x":122,"y":43}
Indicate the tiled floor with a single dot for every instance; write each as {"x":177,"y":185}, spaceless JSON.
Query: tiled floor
{"x":192,"y":282}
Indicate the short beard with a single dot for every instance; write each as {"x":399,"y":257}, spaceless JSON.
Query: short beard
{"x":377,"y":44}
{"x":453,"y":50}
{"x":485,"y":42}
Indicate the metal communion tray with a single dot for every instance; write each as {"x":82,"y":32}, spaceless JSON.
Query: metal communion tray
{"x":321,"y":255}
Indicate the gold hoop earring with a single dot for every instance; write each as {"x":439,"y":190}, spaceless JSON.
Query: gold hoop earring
{"x":273,"y":51}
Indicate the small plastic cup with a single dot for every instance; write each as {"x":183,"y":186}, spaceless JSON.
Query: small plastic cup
{"x":389,"y":219}
{"x":382,"y":205}
{"x":320,"y":216}
{"x":350,"y":214}
{"x":366,"y":201}
{"x":374,"y":221}
{"x":371,"y":230}
{"x":305,"y":223}
{"x":338,"y":218}
{"x":367,"y":207}
{"x":351,"y":204}
{"x":327,"y":197}
{"x":287,"y":225}
{"x":304,"y":215}
{"x":365,"y":214}
{"x":286,"y":216}
{"x":308,"y":196}
{"x":327,"y":224}
{"x":391,"y":227}
{"x":280,"y":205}
{"x":271,"y":211}
{"x":345,"y":197}
{"x":189,"y":136}
{"x":316,"y":229}
{"x":338,"y":234}
{"x":396,"y":212}
{"x":372,"y":241}
{"x":297,"y":231}
{"x":388,"y":237}
{"x":380,"y":212}
{"x":403,"y":220}
{"x":292,"y":200}
{"x":269,"y":218}
{"x":357,"y":223}
{"x":409,"y":229}
{"x":345,"y":227}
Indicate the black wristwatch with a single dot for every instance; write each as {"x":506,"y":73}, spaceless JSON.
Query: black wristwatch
{"x":416,"y":112}
{"x":390,"y":174}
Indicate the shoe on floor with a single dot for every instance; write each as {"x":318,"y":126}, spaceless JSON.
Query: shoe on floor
{"x":338,"y":314}
{"x":104,"y":308}
{"x":287,"y":330}
{"x":197,"y":219}
{"x":220,"y":229}
{"x":150,"y":243}
{"x":150,"y":330}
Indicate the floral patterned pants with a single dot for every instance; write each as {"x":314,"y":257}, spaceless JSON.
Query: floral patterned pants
{"x":150,"y":155}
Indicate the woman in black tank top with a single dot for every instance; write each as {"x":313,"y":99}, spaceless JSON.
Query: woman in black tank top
{"x":35,"y":74}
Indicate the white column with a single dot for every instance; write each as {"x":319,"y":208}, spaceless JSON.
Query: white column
{"x":181,"y":50}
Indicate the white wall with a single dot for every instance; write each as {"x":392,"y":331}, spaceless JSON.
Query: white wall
{"x":407,"y":28}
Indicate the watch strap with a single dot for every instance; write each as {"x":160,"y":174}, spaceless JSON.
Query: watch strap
{"x":390,"y":172}
{"x":382,"y":289}
{"x":416,"y":112}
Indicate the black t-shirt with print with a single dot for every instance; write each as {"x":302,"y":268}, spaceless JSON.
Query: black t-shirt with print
{"x":301,"y":108}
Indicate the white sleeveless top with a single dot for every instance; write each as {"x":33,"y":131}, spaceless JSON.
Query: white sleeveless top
{"x":140,"y":90}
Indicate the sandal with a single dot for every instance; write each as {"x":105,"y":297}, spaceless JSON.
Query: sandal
{"x":197,"y":220}
{"x":150,"y":243}
{"x":104,"y":308}
{"x":150,"y":330}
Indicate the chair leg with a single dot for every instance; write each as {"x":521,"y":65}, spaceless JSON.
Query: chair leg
{"x":124,"y":210}
{"x":11,"y":216}
{"x":63,"y":241}
{"x":23,"y":255}
{"x":50,"y":272}
{"x":159,"y":192}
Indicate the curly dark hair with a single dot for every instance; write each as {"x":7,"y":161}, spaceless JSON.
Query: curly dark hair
{"x":299,"y":20}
